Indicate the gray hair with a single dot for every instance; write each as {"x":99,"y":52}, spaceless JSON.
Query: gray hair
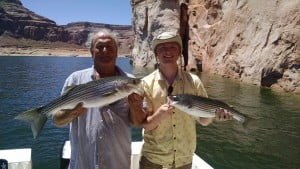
{"x":107,"y":32}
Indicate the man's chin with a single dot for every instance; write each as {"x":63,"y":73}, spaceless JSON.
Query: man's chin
{"x":104,"y":60}
{"x":169,"y":61}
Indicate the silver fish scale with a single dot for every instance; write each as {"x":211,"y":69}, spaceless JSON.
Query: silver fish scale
{"x":205,"y":104}
{"x":89,"y":90}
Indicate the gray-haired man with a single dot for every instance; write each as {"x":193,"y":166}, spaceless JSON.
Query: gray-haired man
{"x":99,"y":137}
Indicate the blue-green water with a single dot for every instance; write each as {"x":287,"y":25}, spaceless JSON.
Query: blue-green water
{"x":271,"y":141}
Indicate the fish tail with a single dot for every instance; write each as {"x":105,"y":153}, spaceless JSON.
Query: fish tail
{"x":36,"y":119}
{"x":248,"y":122}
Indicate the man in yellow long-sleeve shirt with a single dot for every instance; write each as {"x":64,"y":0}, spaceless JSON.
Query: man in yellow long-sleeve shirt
{"x":170,"y":135}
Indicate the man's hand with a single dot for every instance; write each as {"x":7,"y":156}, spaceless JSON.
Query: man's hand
{"x":78,"y":110}
{"x":65,"y":116}
{"x":135,"y":99}
{"x":163,"y":111}
{"x":137,"y":114}
{"x":222,"y":115}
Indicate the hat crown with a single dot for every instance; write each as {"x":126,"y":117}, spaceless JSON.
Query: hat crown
{"x":166,"y":37}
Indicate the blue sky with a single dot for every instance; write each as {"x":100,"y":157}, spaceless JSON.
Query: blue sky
{"x":66,"y":11}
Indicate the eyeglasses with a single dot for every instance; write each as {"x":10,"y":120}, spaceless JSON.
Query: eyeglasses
{"x":170,"y":90}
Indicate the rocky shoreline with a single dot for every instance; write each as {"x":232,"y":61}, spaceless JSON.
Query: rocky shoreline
{"x":28,"y":47}
{"x":63,"y":52}
{"x":42,"y":52}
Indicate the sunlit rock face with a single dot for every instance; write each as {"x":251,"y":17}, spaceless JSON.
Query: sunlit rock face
{"x":79,"y":31}
{"x":150,"y":18}
{"x":19,"y":22}
{"x":251,"y":40}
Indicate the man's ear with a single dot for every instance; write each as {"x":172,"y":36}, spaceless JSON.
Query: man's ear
{"x":91,"y":51}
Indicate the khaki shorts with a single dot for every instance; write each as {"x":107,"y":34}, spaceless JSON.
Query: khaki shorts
{"x":146,"y":164}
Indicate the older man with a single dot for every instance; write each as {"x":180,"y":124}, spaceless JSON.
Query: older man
{"x":100,"y":137}
{"x":170,"y":135}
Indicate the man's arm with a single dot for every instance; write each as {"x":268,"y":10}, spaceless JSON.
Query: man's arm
{"x":221,"y":114}
{"x":64,"y":117}
{"x":148,"y":120}
{"x":152,"y":121}
{"x":137,"y":113}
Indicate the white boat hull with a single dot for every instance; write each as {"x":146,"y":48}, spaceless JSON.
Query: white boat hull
{"x":21,"y":158}
{"x":136,"y":148}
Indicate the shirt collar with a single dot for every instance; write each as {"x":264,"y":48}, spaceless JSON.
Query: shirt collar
{"x":160,"y":77}
{"x":95,"y":75}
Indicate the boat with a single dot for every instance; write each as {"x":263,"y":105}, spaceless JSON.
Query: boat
{"x":136,"y":148}
{"x":15,"y":158}
{"x":21,"y":158}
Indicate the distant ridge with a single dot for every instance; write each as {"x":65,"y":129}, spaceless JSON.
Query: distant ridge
{"x":17,"y":22}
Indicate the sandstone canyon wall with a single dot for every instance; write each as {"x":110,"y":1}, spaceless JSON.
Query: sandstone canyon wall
{"x":150,"y":18}
{"x":251,"y":40}
{"x":18,"y":22}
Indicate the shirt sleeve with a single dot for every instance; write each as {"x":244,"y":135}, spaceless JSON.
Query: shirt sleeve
{"x":69,"y":82}
{"x":200,"y":89}
{"x":147,"y":103}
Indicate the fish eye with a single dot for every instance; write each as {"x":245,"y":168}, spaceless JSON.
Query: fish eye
{"x":174,"y":97}
{"x":136,"y":81}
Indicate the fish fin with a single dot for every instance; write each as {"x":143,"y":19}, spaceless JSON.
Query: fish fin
{"x":68,"y":88}
{"x":248,"y":122}
{"x":36,"y":119}
{"x":172,"y":103}
{"x":139,"y":91}
{"x":109,"y":93}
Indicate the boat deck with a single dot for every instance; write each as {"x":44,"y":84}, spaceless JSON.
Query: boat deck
{"x":21,"y":158}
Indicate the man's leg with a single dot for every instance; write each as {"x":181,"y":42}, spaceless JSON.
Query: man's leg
{"x":146,"y":164}
{"x":188,"y":166}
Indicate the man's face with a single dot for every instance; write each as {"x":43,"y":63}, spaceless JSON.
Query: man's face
{"x":104,"y":50}
{"x":168,"y":53}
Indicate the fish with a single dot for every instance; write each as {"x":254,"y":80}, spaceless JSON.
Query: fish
{"x":97,"y":93}
{"x":199,"y":106}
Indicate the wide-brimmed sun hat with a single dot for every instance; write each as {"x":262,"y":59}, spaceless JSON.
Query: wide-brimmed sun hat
{"x":166,"y":37}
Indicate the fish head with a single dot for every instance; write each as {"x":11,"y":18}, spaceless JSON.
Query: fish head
{"x":135,"y":81}
{"x":135,"y":84}
{"x":180,"y":100}
{"x":176,"y":99}
{"x":182,"y":103}
{"x":129,"y":85}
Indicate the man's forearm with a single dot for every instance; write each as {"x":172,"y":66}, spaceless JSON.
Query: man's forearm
{"x":151,"y":123}
{"x":137,"y":115}
{"x":205,"y":121}
{"x":63,"y":117}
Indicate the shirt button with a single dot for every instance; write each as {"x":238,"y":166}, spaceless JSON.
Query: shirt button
{"x":174,"y":138}
{"x":174,"y":150}
{"x":173,"y":112}
{"x":174,"y":125}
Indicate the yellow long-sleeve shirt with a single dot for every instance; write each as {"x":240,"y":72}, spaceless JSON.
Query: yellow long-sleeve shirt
{"x":174,"y":139}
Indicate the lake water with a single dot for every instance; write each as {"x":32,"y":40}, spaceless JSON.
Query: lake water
{"x":271,"y":141}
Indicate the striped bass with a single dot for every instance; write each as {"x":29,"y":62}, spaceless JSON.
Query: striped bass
{"x":199,"y":106}
{"x":96,"y":93}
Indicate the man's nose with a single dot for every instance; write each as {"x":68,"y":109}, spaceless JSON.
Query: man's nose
{"x":168,"y":51}
{"x":104,"y":49}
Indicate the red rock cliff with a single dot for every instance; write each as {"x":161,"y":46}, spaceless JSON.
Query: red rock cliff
{"x":251,"y":40}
